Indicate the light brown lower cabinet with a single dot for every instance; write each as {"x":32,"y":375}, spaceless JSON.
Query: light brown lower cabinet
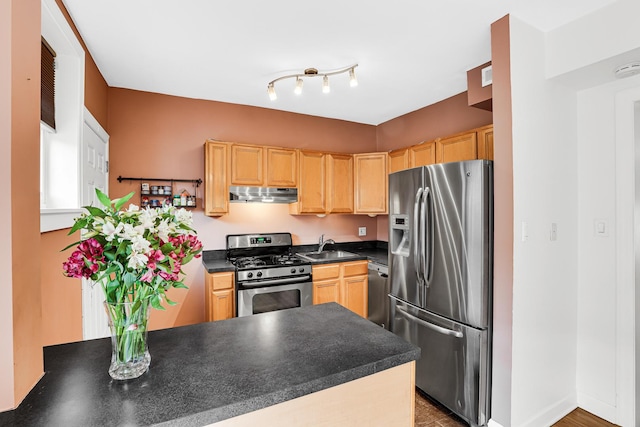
{"x":220,"y":296}
{"x":346,"y":283}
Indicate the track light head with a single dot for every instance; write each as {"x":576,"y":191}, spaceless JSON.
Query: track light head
{"x":353,"y":81}
{"x":271,"y":90}
{"x":325,"y":84}
{"x":299,"y":83}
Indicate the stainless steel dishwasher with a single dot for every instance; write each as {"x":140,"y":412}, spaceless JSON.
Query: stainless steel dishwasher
{"x":378,"y":294}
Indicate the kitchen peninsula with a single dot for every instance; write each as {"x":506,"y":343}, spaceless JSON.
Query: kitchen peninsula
{"x":292,"y":367}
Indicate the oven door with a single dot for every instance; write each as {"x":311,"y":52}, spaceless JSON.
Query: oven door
{"x":272,"y":298}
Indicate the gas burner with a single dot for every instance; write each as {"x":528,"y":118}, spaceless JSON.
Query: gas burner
{"x":286,"y":260}
{"x":250,"y":262}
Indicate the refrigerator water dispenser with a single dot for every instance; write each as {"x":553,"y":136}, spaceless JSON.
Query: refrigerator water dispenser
{"x":400,"y":238}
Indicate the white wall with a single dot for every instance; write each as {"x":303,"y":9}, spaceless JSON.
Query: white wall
{"x":573,"y":164}
{"x":545,"y":270}
{"x":599,"y":279}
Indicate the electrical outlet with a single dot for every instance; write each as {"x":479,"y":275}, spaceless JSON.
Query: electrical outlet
{"x":362,"y":231}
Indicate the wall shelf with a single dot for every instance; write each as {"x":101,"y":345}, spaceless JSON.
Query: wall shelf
{"x":156,"y":196}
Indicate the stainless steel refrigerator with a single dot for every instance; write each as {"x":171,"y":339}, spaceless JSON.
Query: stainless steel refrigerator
{"x":440,"y":272}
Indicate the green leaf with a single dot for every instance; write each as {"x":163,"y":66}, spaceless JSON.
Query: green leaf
{"x":180,"y":285}
{"x":104,"y":199}
{"x":156,"y":302}
{"x":73,"y":244}
{"x":96,"y":211}
{"x":79,"y":224}
{"x":118,"y":203}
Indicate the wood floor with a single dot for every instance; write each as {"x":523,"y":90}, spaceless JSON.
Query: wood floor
{"x":430,"y":413}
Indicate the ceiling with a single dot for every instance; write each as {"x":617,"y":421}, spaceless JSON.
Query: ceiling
{"x":410,"y":53}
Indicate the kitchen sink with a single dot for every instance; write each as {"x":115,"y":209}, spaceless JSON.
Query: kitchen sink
{"x":327,"y":255}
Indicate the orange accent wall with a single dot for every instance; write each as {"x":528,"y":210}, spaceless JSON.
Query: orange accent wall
{"x":443,"y":118}
{"x":61,"y":296}
{"x":22,"y":352}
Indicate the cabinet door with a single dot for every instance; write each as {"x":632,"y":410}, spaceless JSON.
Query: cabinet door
{"x":326,"y":291}
{"x":222,"y":304}
{"x":398,"y":160}
{"x":485,"y":143}
{"x":220,"y":296}
{"x":339,"y":183}
{"x":355,"y":294}
{"x":282,"y":167}
{"x":216,"y":172}
{"x":311,"y":190}
{"x":422,"y":154}
{"x":457,"y":148}
{"x":246,"y":165}
{"x":371,"y":183}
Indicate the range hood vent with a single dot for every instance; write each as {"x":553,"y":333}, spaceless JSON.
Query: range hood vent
{"x":262,"y":195}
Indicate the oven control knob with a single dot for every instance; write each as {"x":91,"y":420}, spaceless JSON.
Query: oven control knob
{"x":259,"y":274}
{"x":249,"y":275}
{"x":293,"y":270}
{"x":301,"y":270}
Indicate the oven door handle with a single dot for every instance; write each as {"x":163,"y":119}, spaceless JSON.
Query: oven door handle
{"x":262,"y":283}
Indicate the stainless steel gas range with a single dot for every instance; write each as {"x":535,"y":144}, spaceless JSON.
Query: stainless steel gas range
{"x":268,"y":276}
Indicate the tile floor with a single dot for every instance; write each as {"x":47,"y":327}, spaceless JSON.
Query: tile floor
{"x":432,"y":414}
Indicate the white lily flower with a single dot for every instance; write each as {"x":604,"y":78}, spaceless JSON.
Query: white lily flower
{"x":184,"y":216}
{"x":109,"y":231}
{"x":133,"y":208}
{"x":128,"y":231}
{"x":164,"y":230}
{"x":137,"y":260}
{"x":140,"y":244}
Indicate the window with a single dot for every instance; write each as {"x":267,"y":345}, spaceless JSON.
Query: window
{"x":61,"y":138}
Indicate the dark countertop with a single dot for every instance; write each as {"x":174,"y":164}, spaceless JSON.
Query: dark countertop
{"x":208,"y":372}
{"x":214,"y":261}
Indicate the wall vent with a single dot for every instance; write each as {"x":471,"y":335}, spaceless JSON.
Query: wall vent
{"x":487,"y":76}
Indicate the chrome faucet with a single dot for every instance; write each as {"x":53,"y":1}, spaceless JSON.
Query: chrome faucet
{"x":322,"y":242}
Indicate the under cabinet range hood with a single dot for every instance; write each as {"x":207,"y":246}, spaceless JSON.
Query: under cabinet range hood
{"x":262,"y":195}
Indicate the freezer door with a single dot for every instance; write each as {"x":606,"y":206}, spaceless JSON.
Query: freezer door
{"x":458,"y":212}
{"x":454,"y":364}
{"x":405,"y":193}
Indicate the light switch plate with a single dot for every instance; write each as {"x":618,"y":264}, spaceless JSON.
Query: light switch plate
{"x":362,"y":231}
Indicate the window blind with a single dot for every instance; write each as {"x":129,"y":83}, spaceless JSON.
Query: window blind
{"x":47,"y":84}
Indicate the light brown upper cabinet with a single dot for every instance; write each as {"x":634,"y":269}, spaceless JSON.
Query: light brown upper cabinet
{"x":247,"y":163}
{"x":457,"y":148}
{"x":339,"y":183}
{"x":312,"y":198}
{"x":485,"y":142}
{"x":282,"y":167}
{"x":371,"y":183}
{"x":422,"y":154}
{"x":216,"y":178}
{"x":398,"y":160}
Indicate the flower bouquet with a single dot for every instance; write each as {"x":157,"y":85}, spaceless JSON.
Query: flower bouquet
{"x":136,"y":255}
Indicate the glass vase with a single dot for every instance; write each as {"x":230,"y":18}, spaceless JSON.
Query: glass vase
{"x":130,"y":356}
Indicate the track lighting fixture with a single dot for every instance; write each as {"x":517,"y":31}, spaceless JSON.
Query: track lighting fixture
{"x":313,"y":72}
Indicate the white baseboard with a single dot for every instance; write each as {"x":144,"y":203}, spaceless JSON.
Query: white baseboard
{"x":492,"y":423}
{"x":597,"y":407}
{"x":552,"y":413}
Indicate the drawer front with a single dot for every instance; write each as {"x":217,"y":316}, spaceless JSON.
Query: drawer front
{"x":356,"y":268}
{"x":222,"y":281}
{"x":327,"y":271}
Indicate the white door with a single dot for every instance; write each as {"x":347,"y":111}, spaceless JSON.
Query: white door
{"x":95,"y":174}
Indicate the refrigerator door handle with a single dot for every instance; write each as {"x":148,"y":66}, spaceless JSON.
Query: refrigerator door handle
{"x":431,"y":326}
{"x":426,"y":236}
{"x":417,"y":235}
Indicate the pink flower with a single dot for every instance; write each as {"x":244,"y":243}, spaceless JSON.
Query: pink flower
{"x":84,"y":261}
{"x":148,"y":276}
